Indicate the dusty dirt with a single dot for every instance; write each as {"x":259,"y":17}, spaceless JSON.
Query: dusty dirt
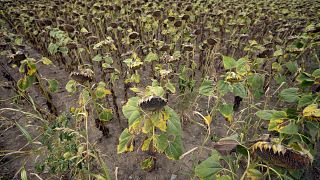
{"x":11,"y":138}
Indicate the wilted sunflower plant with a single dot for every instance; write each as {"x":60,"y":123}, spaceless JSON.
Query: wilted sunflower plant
{"x":150,"y":117}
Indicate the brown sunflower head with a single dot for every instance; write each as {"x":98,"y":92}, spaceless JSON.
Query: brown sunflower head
{"x":281,"y":155}
{"x":152,"y":103}
{"x":82,"y":76}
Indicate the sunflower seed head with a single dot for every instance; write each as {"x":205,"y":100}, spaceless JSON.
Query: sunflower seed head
{"x":82,"y":76}
{"x":152,"y":103}
{"x":281,"y":155}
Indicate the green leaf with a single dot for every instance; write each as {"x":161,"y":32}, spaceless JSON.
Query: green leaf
{"x":254,"y":174}
{"x":242,"y":66}
{"x":101,"y":91}
{"x":292,"y":66}
{"x":176,"y":55}
{"x":174,"y":125}
{"x":125,"y":142}
{"x":85,"y":96}
{"x":24,"y":132}
{"x":174,"y":148}
{"x":278,"y":53}
{"x":64,"y":50}
{"x":53,"y":85}
{"x":224,"y":177}
{"x":277,"y":67}
{"x":108,"y":59}
{"x":18,"y":41}
{"x":154,"y":83}
{"x":131,"y":110}
{"x":265,"y":114}
{"x":290,"y":129}
{"x":174,"y":132}
{"x":229,"y":62}
{"x":278,"y":115}
{"x":313,"y":129}
{"x":105,"y":115}
{"x":83,"y":30}
{"x":97,"y":58}
{"x":170,"y":87}
{"x":290,"y":95}
{"x":156,"y":90}
{"x":242,"y":150}
{"x":306,"y":83}
{"x":160,"y":142}
{"x":316,"y":73}
{"x":71,"y":86}
{"x":224,"y":87}
{"x":98,"y":176}
{"x":151,"y":57}
{"x":256,"y":82}
{"x":206,"y":87}
{"x":227,"y":111}
{"x":303,"y":76}
{"x":280,"y":79}
{"x":147,"y":164}
{"x":24,"y":174}
{"x":239,"y":90}
{"x":53,"y":48}
{"x":208,"y":169}
{"x":136,"y":77}
{"x":305,"y":100}
{"x":26,"y":82}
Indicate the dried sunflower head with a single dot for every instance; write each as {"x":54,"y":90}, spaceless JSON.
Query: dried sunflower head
{"x":152,"y":103}
{"x":187,"y":47}
{"x":280,"y":155}
{"x":133,"y":35}
{"x":82,"y":76}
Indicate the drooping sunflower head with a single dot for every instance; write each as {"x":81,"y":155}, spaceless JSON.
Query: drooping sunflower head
{"x":82,"y":76}
{"x":281,"y":155}
{"x":152,"y":103}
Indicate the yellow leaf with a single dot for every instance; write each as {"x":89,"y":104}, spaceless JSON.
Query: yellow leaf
{"x":135,"y":127}
{"x":162,"y":125}
{"x":312,"y":112}
{"x":277,"y":124}
{"x":32,"y":71}
{"x":72,"y":109}
{"x":317,"y":113}
{"x":46,"y":61}
{"x":229,"y":118}
{"x":107,"y":91}
{"x":147,"y":126}
{"x":146,"y":144}
{"x":130,"y":148}
{"x":164,"y":116}
{"x":208,"y":119}
{"x":134,"y":89}
{"x":309,"y":110}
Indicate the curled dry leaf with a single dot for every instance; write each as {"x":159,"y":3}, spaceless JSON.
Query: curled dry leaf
{"x":225,"y":146}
